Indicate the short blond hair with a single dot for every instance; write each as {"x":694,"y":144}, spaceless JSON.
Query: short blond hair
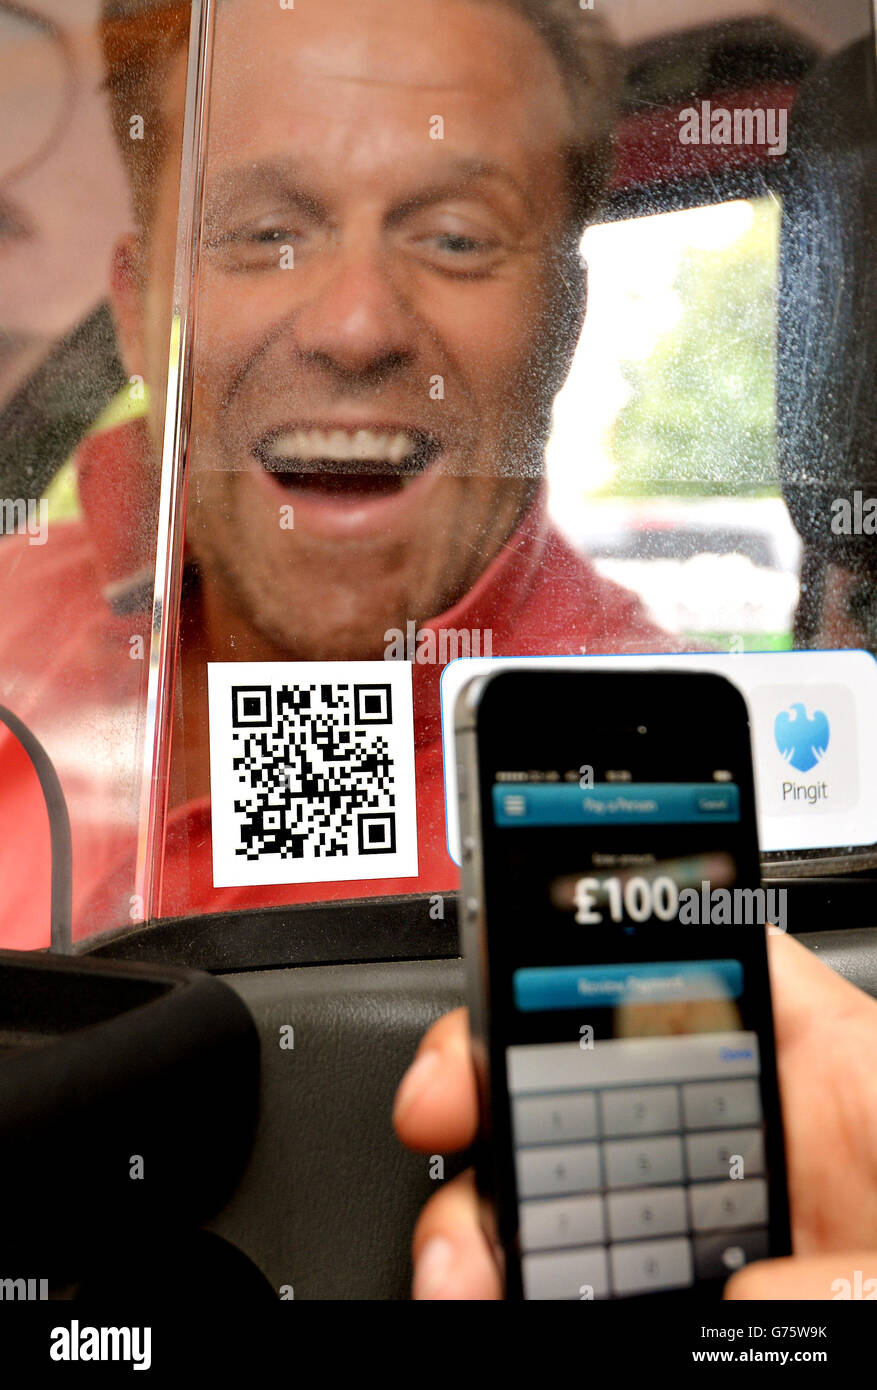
{"x":141,"y":38}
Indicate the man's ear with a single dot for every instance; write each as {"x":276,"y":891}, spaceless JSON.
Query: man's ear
{"x":126,"y":302}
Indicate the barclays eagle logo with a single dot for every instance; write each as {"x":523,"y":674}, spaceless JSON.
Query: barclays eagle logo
{"x":801,"y":740}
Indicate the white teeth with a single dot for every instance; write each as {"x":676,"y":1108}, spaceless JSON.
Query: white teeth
{"x":343,"y":447}
{"x":401,"y":445}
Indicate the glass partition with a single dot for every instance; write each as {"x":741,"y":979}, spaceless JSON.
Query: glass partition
{"x":86,"y":148}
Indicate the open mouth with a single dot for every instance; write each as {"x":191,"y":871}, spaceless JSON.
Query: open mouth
{"x":358,"y":463}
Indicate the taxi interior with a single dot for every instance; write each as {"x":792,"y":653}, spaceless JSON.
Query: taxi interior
{"x":274,"y":1170}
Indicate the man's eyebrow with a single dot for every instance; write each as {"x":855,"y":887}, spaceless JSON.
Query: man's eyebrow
{"x":245,"y":181}
{"x":279,"y":179}
{"x":462,"y":172}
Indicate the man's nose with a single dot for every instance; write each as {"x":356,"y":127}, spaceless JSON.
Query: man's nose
{"x":356,"y":320}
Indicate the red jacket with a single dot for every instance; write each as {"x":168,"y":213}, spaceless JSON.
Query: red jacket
{"x":71,"y":668}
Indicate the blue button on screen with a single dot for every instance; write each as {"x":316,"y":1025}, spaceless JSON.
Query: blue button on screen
{"x":609,"y":986}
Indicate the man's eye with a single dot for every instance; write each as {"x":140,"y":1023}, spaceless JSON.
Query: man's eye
{"x":269,"y":236}
{"x":450,"y":241}
{"x":257,"y":247}
{"x":273,"y":235}
{"x":253,"y":241}
{"x":459,"y":252}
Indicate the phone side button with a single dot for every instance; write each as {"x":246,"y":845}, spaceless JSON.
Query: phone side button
{"x":567,"y":1274}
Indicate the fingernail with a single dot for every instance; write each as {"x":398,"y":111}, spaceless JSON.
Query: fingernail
{"x":415,"y":1080}
{"x":432,"y":1268}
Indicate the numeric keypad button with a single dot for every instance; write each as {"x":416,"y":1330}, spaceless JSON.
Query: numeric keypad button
{"x":656,"y":1211}
{"x":549,"y":1171}
{"x":638,"y":1162}
{"x":718,"y":1206}
{"x":566,"y":1274}
{"x":725,"y":1153}
{"x":640,"y":1110}
{"x":709,"y":1104}
{"x":652,"y":1264}
{"x":554,"y":1119}
{"x":717,"y":1257}
{"x":562,"y":1221}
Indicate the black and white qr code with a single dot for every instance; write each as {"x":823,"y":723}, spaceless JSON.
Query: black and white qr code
{"x":312,"y":771}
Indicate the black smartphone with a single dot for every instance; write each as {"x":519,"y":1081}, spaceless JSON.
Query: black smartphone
{"x":613,"y":924}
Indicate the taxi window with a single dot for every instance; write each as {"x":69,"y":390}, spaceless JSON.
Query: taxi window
{"x":395,"y":332}
{"x":662,"y":461}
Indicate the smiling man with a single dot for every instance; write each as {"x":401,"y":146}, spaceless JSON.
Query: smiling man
{"x":390,"y":292}
{"x":395,"y":382}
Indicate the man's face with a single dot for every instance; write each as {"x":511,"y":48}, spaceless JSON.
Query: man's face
{"x":377,"y":342}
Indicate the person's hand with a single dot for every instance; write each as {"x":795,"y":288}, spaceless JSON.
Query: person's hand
{"x":436,"y":1110}
{"x":826,"y":1033}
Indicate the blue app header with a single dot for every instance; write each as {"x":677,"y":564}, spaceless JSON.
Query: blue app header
{"x":616,"y":803}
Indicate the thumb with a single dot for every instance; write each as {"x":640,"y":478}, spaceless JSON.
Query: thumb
{"x":843,"y":1276}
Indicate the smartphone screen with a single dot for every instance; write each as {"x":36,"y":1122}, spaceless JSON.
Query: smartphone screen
{"x":632,"y":1142}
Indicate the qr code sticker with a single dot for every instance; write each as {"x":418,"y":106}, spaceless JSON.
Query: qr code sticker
{"x":311,"y":771}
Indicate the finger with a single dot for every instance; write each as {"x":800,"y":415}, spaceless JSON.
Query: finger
{"x":802,"y":986}
{"x":817,"y":1277}
{"x":452,"y":1258}
{"x":436,"y":1103}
